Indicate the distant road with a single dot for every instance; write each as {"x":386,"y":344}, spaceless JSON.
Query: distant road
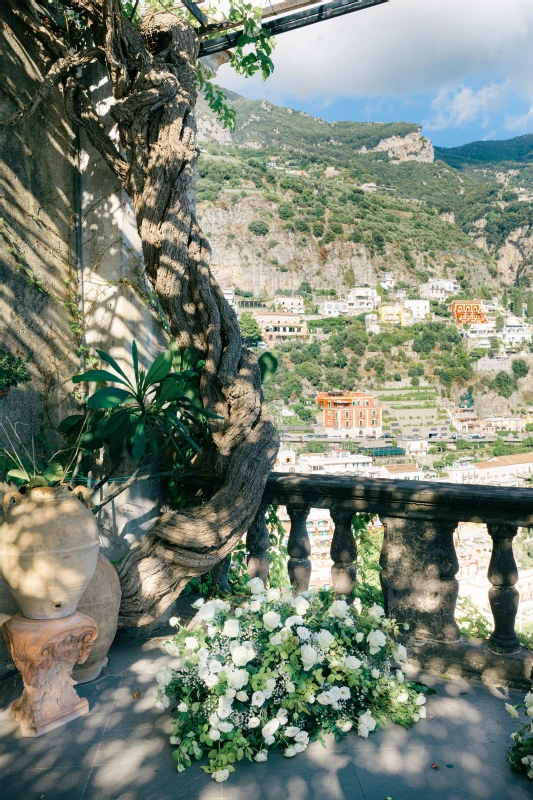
{"x":309,"y":437}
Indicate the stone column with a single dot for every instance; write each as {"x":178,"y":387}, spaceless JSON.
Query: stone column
{"x":257,"y":544}
{"x":419,"y":564}
{"x":299,"y":549}
{"x":503,"y":597}
{"x":343,"y":552}
{"x":45,"y":651}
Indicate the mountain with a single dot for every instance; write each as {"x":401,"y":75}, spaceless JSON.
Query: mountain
{"x":289,"y":198}
{"x":517,"y":151}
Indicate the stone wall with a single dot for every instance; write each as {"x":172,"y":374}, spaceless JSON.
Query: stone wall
{"x":44,"y":165}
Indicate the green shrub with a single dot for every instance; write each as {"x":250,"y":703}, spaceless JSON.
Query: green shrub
{"x":258,"y":227}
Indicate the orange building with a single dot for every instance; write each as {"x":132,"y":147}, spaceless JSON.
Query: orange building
{"x":466,"y":312}
{"x":350,"y":414}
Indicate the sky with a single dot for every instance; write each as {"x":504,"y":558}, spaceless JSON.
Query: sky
{"x":463,"y":69}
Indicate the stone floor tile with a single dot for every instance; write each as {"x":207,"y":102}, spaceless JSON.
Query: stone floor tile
{"x":49,"y":784}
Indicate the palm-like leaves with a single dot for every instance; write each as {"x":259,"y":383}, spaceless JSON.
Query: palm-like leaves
{"x":154,"y":409}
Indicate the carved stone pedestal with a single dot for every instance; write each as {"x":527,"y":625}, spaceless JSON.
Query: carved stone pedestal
{"x":45,"y":652}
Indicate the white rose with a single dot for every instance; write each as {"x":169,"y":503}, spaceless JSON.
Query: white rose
{"x":376,"y":640}
{"x":261,"y":756}
{"x":344,"y":693}
{"x":221,"y":605}
{"x":276,"y":639}
{"x":255,"y":605}
{"x":400,"y":654}
{"x":164,"y":675}
{"x":191,"y":643}
{"x":214,"y":735}
{"x":172,"y":649}
{"x":416,"y":717}
{"x":311,"y":698}
{"x":289,"y":752}
{"x":238,"y":612}
{"x":298,"y":747}
{"x":214,"y":720}
{"x":403,"y":697}
{"x":273,"y":595}
{"x":269,"y":740}
{"x":198,"y":603}
{"x":375,"y":673}
{"x":241,"y":655}
{"x":254,"y":722}
{"x":290,"y":687}
{"x":214,"y":666}
{"x":231,"y":628}
{"x":203,"y":672}
{"x":270,"y":728}
{"x":283,"y":716}
{"x":325,"y":639}
{"x":237,"y":678}
{"x":291,"y":731}
{"x":351,"y":662}
{"x":207,"y":611}
{"x":258,"y":698}
{"x":230,"y":693}
{"x":345,"y":725}
{"x":225,"y":727}
{"x":211,"y":630}
{"x":271,"y":620}
{"x":308,"y":656}
{"x":400,"y":677}
{"x":339,"y":609}
{"x":295,"y":620}
{"x":242,"y":696}
{"x":175,"y":740}
{"x":256,"y":586}
{"x":366,"y":724}
{"x":183,"y":707}
{"x":220,"y":775}
{"x":211,"y":680}
{"x":376,"y":611}
{"x":420,"y":700}
{"x":162,"y":702}
{"x":359,"y":636}
{"x":303,"y":634}
{"x":324,"y":698}
{"x":271,"y":684}
{"x":203,"y":653}
{"x":301,"y":605}
{"x":173,"y":621}
{"x":302,"y":737}
{"x":224,"y":707}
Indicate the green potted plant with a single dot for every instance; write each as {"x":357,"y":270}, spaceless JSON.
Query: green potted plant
{"x":13,"y":370}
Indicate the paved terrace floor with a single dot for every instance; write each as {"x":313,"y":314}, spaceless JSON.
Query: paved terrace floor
{"x":120,"y":750}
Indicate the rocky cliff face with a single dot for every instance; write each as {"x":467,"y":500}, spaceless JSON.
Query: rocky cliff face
{"x":411,"y":147}
{"x":516,"y":254}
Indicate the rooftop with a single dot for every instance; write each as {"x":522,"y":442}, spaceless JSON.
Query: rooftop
{"x":505,"y":461}
{"x":402,"y":468}
{"x":120,"y":750}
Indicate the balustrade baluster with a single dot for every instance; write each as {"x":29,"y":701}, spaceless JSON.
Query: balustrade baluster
{"x":343,"y":552}
{"x":503,"y":597}
{"x":299,"y":549}
{"x":419,"y":564}
{"x":257,"y":544}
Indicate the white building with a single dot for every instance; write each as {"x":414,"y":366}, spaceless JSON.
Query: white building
{"x":501,"y":471}
{"x":371,"y":323}
{"x":362,"y":299}
{"x":387,"y":280}
{"x":229,"y":295}
{"x":292,"y":305}
{"x":414,"y":447}
{"x":515,"y":332}
{"x":401,"y":472}
{"x":332,"y":308}
{"x":420,"y":309}
{"x":338,"y":462}
{"x":285,"y":461}
{"x":439,"y":289}
{"x":514,"y":424}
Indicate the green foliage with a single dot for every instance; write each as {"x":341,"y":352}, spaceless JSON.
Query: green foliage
{"x":520,"y":368}
{"x":504,"y":384}
{"x":156,"y":409}
{"x":258,"y":227}
{"x":13,"y":370}
{"x":250,"y":330}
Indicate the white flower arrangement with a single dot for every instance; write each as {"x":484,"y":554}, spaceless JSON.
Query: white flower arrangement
{"x":279,"y":672}
{"x":520,"y":755}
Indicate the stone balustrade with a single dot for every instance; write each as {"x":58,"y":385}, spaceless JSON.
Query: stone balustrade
{"x":418,"y":559}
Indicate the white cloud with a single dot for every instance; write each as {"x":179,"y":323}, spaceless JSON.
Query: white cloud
{"x":401,"y":48}
{"x":521,"y":122}
{"x":462,"y":106}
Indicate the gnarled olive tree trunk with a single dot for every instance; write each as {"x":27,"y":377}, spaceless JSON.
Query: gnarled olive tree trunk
{"x":152,"y":71}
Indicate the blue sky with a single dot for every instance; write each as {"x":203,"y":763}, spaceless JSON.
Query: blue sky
{"x":463,"y":69}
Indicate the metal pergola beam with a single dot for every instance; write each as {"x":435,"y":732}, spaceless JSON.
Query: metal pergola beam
{"x":291,"y":22}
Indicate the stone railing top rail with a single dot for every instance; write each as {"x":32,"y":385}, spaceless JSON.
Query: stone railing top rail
{"x":404,"y":498}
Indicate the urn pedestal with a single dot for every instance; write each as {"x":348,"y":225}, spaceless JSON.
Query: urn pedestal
{"x":45,"y":652}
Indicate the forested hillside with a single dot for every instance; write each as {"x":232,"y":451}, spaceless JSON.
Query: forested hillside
{"x":288,"y":197}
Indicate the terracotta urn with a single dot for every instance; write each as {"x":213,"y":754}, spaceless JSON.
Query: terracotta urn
{"x":48,"y":549}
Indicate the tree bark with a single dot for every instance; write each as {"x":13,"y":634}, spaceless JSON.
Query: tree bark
{"x":152,"y":71}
